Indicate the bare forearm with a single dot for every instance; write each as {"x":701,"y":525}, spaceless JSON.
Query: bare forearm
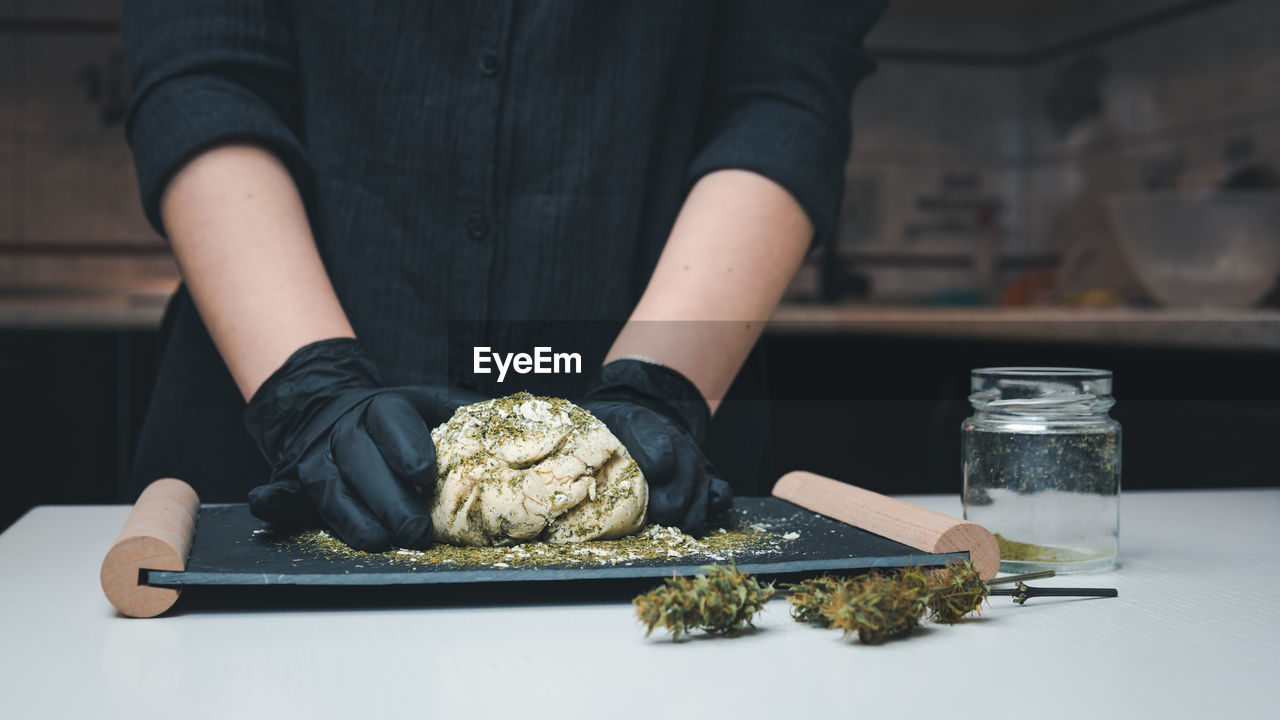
{"x":735,"y":246}
{"x":241,"y":236}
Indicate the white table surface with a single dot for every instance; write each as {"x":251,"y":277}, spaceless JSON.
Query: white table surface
{"x":1195,"y":633}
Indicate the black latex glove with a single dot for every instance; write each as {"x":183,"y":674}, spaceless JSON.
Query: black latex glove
{"x":661,"y":419}
{"x":344,"y":449}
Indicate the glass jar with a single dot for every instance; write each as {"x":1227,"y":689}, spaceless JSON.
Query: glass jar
{"x":1041,"y":462}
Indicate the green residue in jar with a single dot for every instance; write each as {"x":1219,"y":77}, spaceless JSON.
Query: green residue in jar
{"x":1030,"y":552}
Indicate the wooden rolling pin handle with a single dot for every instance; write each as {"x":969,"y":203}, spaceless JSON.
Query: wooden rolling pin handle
{"x":897,"y":520}
{"x":156,"y":536}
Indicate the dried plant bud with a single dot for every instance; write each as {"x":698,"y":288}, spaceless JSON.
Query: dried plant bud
{"x":721,"y":601}
{"x":808,"y":597}
{"x":956,"y":592}
{"x":878,"y":607}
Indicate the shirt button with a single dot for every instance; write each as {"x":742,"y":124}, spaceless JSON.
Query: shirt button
{"x":490,"y":64}
{"x":477,"y":226}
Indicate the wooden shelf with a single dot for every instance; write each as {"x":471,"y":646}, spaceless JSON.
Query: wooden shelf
{"x":1201,"y":328}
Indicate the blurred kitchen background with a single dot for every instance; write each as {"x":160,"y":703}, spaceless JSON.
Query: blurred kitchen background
{"x":1066,"y":182}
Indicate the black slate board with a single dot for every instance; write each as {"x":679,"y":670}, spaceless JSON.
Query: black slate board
{"x":232,"y":548}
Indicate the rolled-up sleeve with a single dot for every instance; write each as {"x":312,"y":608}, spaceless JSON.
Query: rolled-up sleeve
{"x":206,"y":72}
{"x":778,"y":102}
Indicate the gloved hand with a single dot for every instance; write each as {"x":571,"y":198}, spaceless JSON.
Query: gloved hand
{"x":346,"y":450}
{"x":661,"y":419}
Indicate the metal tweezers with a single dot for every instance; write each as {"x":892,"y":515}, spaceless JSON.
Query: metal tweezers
{"x":1021,"y":592}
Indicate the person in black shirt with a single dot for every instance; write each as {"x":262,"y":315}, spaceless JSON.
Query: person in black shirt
{"x":420,"y":174}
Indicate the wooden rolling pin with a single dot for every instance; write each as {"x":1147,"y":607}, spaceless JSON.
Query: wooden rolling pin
{"x":901,"y":521}
{"x":156,"y":536}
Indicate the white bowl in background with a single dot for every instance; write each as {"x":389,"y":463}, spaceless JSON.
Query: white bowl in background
{"x":1216,"y":248}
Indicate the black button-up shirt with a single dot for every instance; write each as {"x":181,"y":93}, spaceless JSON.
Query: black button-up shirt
{"x":471,"y":162}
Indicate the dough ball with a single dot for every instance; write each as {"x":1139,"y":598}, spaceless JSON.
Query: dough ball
{"x":523,"y":468}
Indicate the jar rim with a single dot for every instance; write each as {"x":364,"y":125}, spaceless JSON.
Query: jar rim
{"x":1035,"y":372}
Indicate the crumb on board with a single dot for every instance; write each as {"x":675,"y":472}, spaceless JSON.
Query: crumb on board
{"x":732,"y":541}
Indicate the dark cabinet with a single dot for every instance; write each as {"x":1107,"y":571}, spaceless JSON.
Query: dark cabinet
{"x":73,"y":402}
{"x":885,"y":412}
